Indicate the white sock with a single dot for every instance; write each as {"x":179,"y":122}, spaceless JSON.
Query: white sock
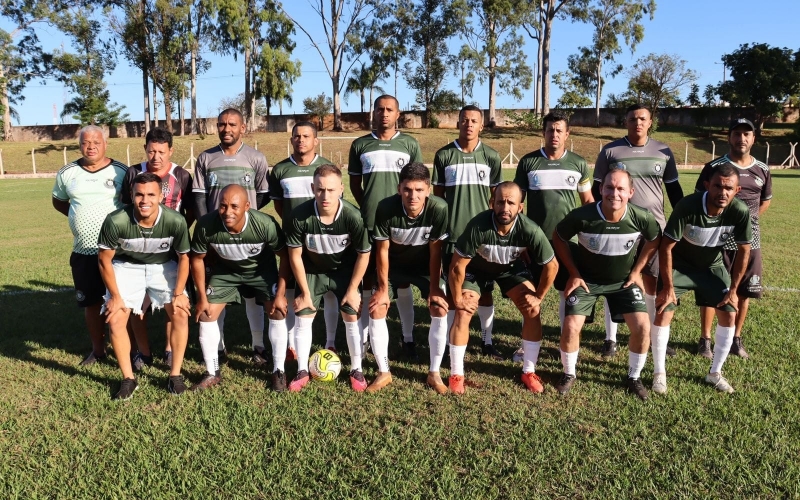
{"x":486,"y":315}
{"x":255,"y":316}
{"x":457,"y":353}
{"x":277,"y":338}
{"x":636,"y":363}
{"x":568,"y":361}
{"x":209,"y":339}
{"x":530,"y":356}
{"x":221,"y":325}
{"x":659,"y":336}
{"x":405,"y":307}
{"x":380,"y":343}
{"x":611,"y":327}
{"x":302,"y":339}
{"x":437,"y":339}
{"x":290,"y":318}
{"x":562,"y":308}
{"x":331,"y":317}
{"x":364,"y":320}
{"x":723,"y":339}
{"x":354,"y":344}
{"x":650,"y":302}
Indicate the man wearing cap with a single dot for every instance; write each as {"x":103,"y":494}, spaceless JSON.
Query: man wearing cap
{"x":756,"y":183}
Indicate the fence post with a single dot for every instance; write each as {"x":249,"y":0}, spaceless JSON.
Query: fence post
{"x":191,"y":155}
{"x":766,"y":162}
{"x":2,"y":171}
{"x":713,"y":150}
{"x":33,"y":160}
{"x":686,"y":155}
{"x":256,"y":145}
{"x":65,"y":155}
{"x":320,"y":149}
{"x":571,"y":146}
{"x":289,"y":147}
{"x":128,"y":153}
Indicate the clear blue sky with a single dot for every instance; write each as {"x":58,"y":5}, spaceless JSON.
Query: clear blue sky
{"x":698,"y":31}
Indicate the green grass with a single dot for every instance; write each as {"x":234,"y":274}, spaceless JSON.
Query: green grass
{"x":62,"y":436}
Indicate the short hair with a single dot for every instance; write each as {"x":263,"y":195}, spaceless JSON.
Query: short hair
{"x":725,"y":170}
{"x":555,"y":116}
{"x":326,"y":170}
{"x":304,"y":123}
{"x":144,"y":178}
{"x":637,"y":107}
{"x":617,"y":169}
{"x":231,"y":111}
{"x":88,"y":129}
{"x":387,"y":96}
{"x":159,"y":135}
{"x":507,"y":184}
{"x":469,"y":107}
{"x":415,"y":171}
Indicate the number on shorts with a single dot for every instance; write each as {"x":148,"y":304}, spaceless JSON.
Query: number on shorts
{"x":637,"y":293}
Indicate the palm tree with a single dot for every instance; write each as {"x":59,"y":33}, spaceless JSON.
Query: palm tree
{"x":362,"y":79}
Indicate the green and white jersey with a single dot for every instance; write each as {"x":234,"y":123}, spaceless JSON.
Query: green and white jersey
{"x":492,"y":253}
{"x":91,"y":196}
{"x":551,"y":186}
{"x":379,"y":163}
{"x":467,"y":179}
{"x":144,"y":245}
{"x":606,"y":250}
{"x":291,"y":183}
{"x":649,"y":166}
{"x":215,"y":170}
{"x":327,"y":247}
{"x":700,"y":236}
{"x":409,"y":238}
{"x":249,"y":252}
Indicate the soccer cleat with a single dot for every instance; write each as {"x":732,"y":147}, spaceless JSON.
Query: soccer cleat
{"x":636,"y":387}
{"x":434,"y":381}
{"x":533,"y":382}
{"x":518,"y":356}
{"x":410,"y":351}
{"x":223,"y":357}
{"x":737,"y":348}
{"x":704,"y":348}
{"x":357,"y":381}
{"x":176,"y":385}
{"x":126,"y":389}
{"x":660,"y":383}
{"x":291,"y":354}
{"x":456,"y":383}
{"x":278,"y":381}
{"x":671,"y":352}
{"x":207,"y":382}
{"x":167,"y":358}
{"x":719,"y":382}
{"x":92,"y":358}
{"x":609,"y":349}
{"x":382,"y":380}
{"x":139,"y":361}
{"x":565,"y":383}
{"x":300,"y":380}
{"x":489,"y":350}
{"x":260,"y":357}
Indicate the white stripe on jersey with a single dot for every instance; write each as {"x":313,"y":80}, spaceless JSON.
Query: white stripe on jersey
{"x":609,"y":244}
{"x":498,"y":254}
{"x":707,"y":236}
{"x":297,"y":187}
{"x":237,"y":251}
{"x":416,"y":236}
{"x":327,"y":244}
{"x":465,"y":174}
{"x":144,"y":245}
{"x":383,"y":160}
{"x":540,"y":180}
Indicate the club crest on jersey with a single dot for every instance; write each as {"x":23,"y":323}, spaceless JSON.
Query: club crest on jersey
{"x":401,"y":162}
{"x":628,"y":244}
{"x":594,"y":243}
{"x":427,"y":235}
{"x":724,"y":237}
{"x":212,"y":179}
{"x":572,"y":300}
{"x":311,"y":243}
{"x":571,"y":180}
{"x":691,"y":233}
{"x":345,"y":241}
{"x":164,"y":246}
{"x":80,"y":296}
{"x":755,"y":280}
{"x":515,"y":254}
{"x":536,"y":181}
{"x":481,"y":174}
{"x":657,"y":167}
{"x":254,"y":250}
{"x":165,"y":188}
{"x":759,"y":181}
{"x":209,"y":291}
{"x":247,"y":179}
{"x":109,"y":183}
{"x":621,"y":166}
{"x":451,"y":174}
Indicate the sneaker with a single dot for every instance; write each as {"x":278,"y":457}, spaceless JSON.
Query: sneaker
{"x":291,"y":354}
{"x":737,"y":348}
{"x":167,"y":358}
{"x":704,"y":348}
{"x":671,"y":352}
{"x":489,"y":350}
{"x":357,"y":381}
{"x":176,"y":385}
{"x":533,"y":382}
{"x":92,"y":358}
{"x":456,"y":383}
{"x":518,"y":356}
{"x":300,"y":380}
{"x":382,"y":380}
{"x":278,"y":381}
{"x":434,"y":381}
{"x":207,"y":382}
{"x":126,"y":389}
{"x":609,"y":349}
{"x":636,"y":386}
{"x":660,"y":383}
{"x":719,"y":382}
{"x":565,"y":383}
{"x":410,"y":351}
{"x":139,"y":361}
{"x":223,"y":357}
{"x":260,"y":357}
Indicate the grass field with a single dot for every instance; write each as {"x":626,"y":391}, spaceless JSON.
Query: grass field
{"x":61,"y":436}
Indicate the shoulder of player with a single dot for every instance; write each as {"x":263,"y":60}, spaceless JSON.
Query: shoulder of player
{"x":261,"y":218}
{"x":121,"y":216}
{"x":763,"y":166}
{"x":407,"y":138}
{"x":68,"y":168}
{"x":436,"y":202}
{"x":119,"y":166}
{"x":488,"y":150}
{"x":528,"y":225}
{"x":640,"y":213}
{"x":622,"y":141}
{"x":739,"y":205}
{"x":349,"y":209}
{"x":208,"y":219}
{"x":361,"y":142}
{"x":389,"y":203}
{"x":575,"y":158}
{"x":446,"y":149}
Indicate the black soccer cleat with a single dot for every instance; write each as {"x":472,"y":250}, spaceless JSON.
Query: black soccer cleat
{"x":126,"y":389}
{"x":176,"y":385}
{"x":278,"y":381}
{"x":635,"y":386}
{"x":489,"y":350}
{"x":410,"y":351}
{"x":565,"y":383}
{"x":609,"y":349}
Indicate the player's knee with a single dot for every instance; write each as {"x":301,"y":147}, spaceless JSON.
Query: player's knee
{"x":437,"y":311}
{"x":277,"y":315}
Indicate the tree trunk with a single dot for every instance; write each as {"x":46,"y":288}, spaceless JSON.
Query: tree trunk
{"x":248,"y":95}
{"x":7,"y":135}
{"x":546,"y":33}
{"x":193,"y":127}
{"x":167,"y":112}
{"x":599,"y":93}
{"x":492,"y":88}
{"x":155,"y":105}
{"x":362,"y":98}
{"x":371,"y":101}
{"x":146,"y":99}
{"x":337,"y":104}
{"x":182,"y":111}
{"x":537,"y":78}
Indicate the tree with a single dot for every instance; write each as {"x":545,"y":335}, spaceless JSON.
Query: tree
{"x":578,"y":83}
{"x":276,"y":74}
{"x":170,"y":69}
{"x":709,"y":94}
{"x":319,"y":107}
{"x":362,"y":80}
{"x":238,"y":103}
{"x":761,"y":76}
{"x":656,"y":80}
{"x":133,"y":31}
{"x":694,"y":96}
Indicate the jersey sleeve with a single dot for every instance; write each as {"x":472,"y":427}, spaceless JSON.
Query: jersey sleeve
{"x":354,"y":162}
{"x":416,"y":152}
{"x":539,"y":249}
{"x":439,"y":223}
{"x":109,"y":234}
{"x":59,"y":189}
{"x":671,"y":168}
{"x":766,"y":190}
{"x":180,"y":242}
{"x":359,"y":234}
{"x":275,"y":189}
{"x":521,"y":175}
{"x":677,"y":221}
{"x":381,"y":230}
{"x":199,"y":182}
{"x":585,"y":182}
{"x":601,"y":166}
{"x":275,"y":238}
{"x":650,"y":228}
{"x":705,"y":176}
{"x":469,"y":241}
{"x":495,"y":168}
{"x":293,"y":229}
{"x":569,"y":226}
{"x":127,"y":186}
{"x":437,"y":178}
{"x":743,"y":230}
{"x":199,"y":237}
{"x":261,"y":169}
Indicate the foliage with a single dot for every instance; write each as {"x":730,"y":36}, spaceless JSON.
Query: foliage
{"x":529,"y":121}
{"x":709,"y":95}
{"x":319,"y":107}
{"x":578,"y":83}
{"x":364,"y":79}
{"x":238,"y":102}
{"x":694,"y":95}
{"x":656,"y":80}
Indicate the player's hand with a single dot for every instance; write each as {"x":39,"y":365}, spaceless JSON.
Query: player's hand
{"x":303,"y":301}
{"x":467,"y":303}
{"x":378,"y":300}
{"x":530,"y":304}
{"x":664,"y":298}
{"x":353,"y":299}
{"x":182,"y":302}
{"x":113,"y":306}
{"x":573,"y":284}
{"x":730,"y":299}
{"x":202,"y":308}
{"x":279,"y":303}
{"x":634,"y":279}
{"x":436,"y":297}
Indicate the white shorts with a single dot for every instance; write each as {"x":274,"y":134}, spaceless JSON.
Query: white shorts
{"x":137,"y":281}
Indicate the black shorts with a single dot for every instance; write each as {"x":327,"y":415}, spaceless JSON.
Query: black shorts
{"x":89,"y":286}
{"x":752,"y":285}
{"x":651,"y":268}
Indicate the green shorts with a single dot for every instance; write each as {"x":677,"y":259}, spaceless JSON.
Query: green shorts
{"x":320,"y":284}
{"x":231,"y":288}
{"x":620,"y":300}
{"x":484,"y":286}
{"x":401,"y":277}
{"x":516,"y":276}
{"x":709,"y":285}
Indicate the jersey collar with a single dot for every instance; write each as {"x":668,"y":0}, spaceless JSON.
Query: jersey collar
{"x":237,"y":151}
{"x":459,"y":147}
{"x":316,"y":157}
{"x":169,"y":172}
{"x":158,"y":217}
{"x":246,"y":221}
{"x":544,"y":154}
{"x":420,"y":212}
{"x":338,"y":212}
{"x":378,"y":139}
{"x":728,"y":159}
{"x":632,"y":146}
{"x":600,"y":211}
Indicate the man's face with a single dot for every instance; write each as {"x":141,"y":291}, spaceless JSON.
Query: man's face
{"x":741,"y":139}
{"x":304,"y":141}
{"x":507,"y":204}
{"x":470,"y":125}
{"x":413,"y":194}
{"x":230,"y":129}
{"x":386,"y":114}
{"x":327,"y":190}
{"x":721,"y":190}
{"x":617,"y":191}
{"x":232,"y":208}
{"x":146,"y":198}
{"x":638,"y":122}
{"x":93,"y":146}
{"x":555,"y":136}
{"x":158,"y":155}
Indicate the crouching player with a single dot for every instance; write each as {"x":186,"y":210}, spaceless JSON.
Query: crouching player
{"x":138,"y":246}
{"x":489,"y":250}
{"x":245,"y":243}
{"x":608,"y":236}
{"x":409,"y":229}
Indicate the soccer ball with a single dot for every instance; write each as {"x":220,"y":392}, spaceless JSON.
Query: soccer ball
{"x":324,"y":365}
